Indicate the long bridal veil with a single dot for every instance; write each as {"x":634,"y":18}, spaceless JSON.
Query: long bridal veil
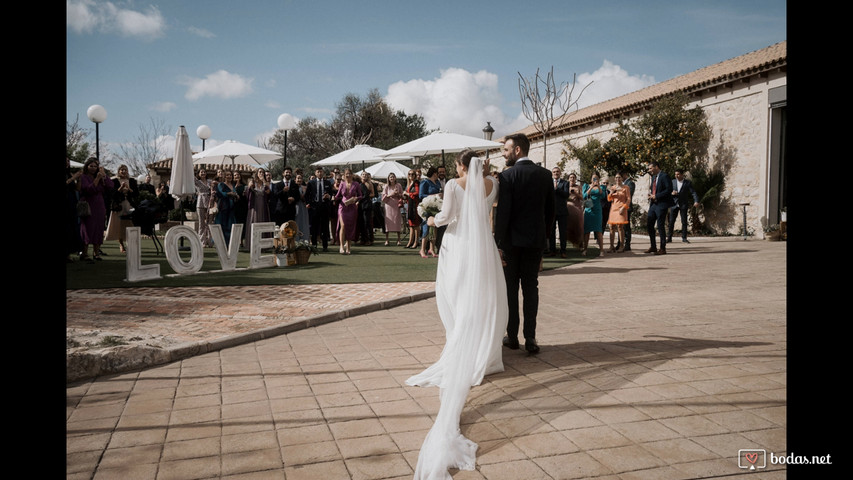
{"x":471,"y":299}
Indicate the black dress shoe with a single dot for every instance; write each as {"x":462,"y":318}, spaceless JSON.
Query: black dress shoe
{"x":511,"y":343}
{"x":530,"y":345}
{"x":684,"y":240}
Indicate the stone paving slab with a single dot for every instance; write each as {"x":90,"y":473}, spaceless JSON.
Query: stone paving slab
{"x":652,"y":367}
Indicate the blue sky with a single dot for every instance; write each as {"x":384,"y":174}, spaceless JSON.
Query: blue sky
{"x":237,"y":66}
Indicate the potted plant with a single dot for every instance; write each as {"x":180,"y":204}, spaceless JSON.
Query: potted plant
{"x":772,"y":232}
{"x":303,"y":251}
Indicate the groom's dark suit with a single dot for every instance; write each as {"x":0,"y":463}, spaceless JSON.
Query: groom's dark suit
{"x":525,"y":211}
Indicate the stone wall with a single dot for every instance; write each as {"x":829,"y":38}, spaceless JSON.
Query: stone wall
{"x":739,"y":119}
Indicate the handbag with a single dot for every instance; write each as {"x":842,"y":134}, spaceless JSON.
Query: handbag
{"x":213,"y":210}
{"x":83,"y":208}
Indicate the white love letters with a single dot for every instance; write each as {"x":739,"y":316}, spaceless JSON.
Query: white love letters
{"x":137,"y":272}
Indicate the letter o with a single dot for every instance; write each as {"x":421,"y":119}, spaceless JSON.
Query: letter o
{"x":172,"y":243}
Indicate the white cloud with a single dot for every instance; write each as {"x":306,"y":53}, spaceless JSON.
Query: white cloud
{"x":164,"y":107}
{"x":221,"y":84}
{"x":609,"y":81}
{"x":458,"y":101}
{"x":88,"y":16}
{"x":201,"y":32}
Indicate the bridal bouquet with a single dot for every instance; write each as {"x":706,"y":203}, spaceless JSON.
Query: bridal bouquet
{"x":429,"y":207}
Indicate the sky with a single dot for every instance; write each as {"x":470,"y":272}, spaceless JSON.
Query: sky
{"x":237,"y":66}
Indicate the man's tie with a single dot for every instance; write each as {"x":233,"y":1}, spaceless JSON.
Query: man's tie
{"x":654,"y":185}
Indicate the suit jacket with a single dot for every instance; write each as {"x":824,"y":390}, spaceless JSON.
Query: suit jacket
{"x":282,"y":206}
{"x":683,"y":197}
{"x":561,"y":197}
{"x":525,"y":206}
{"x":663,"y":191}
{"x":321,"y":206}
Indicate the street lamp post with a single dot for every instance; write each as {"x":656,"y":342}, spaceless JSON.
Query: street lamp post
{"x":203,"y":133}
{"x":97,"y":114}
{"x":285,"y":122}
{"x":488,"y":131}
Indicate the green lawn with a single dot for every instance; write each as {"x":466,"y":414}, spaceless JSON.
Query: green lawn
{"x":376,"y":263}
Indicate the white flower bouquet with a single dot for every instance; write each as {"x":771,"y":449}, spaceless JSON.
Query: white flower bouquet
{"x":430,"y":206}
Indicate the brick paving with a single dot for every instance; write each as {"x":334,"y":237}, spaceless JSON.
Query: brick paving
{"x":652,"y":367}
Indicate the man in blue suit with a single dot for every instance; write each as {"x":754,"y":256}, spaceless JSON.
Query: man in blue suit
{"x":524,"y":213}
{"x":660,"y":200}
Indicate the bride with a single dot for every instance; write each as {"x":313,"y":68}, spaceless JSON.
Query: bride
{"x":471,"y":298}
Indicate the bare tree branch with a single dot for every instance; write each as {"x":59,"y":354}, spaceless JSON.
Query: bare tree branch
{"x":148,"y":147}
{"x":539,"y":99}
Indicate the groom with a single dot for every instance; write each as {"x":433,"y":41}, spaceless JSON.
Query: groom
{"x":525,"y":210}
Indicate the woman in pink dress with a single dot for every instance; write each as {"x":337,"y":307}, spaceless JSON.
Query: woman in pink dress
{"x":348,"y":196}
{"x":93,"y":183}
{"x":392,"y":198}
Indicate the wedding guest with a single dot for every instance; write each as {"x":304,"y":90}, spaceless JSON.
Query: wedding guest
{"x":257,"y":192}
{"x":592,"y":223}
{"x":392,"y":201}
{"x":369,"y":191}
{"x":93,"y":183}
{"x":412,"y":200}
{"x":202,"y":190}
{"x":146,"y":186}
{"x":348,"y":195}
{"x":574,"y":221}
{"x":303,"y":223}
{"x":620,"y":203}
{"x":429,"y":186}
{"x":336,"y":227}
{"x":226,"y":197}
{"x":124,"y":199}
{"x":241,"y":205}
{"x":72,"y":195}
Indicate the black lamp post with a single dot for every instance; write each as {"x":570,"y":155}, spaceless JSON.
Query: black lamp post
{"x":285,"y":122}
{"x":488,"y":131}
{"x":97,"y":114}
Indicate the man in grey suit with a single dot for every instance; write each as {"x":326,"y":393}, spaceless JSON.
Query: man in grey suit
{"x":682,"y":191}
{"x":524,"y":213}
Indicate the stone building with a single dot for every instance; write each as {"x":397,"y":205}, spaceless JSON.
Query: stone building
{"x":744,"y":99}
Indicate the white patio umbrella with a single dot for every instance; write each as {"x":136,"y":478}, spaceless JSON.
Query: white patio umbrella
{"x":356,"y":154}
{"x":441,"y":143}
{"x":182,"y":180}
{"x":382,"y":169}
{"x":236,"y":152}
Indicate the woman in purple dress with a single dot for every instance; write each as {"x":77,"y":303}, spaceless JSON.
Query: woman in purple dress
{"x":348,"y":196}
{"x":259,"y":211}
{"x":93,"y":183}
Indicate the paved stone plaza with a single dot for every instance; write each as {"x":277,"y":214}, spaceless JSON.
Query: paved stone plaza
{"x":652,"y":367}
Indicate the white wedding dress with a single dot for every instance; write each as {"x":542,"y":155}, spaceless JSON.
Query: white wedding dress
{"x":470,"y":293}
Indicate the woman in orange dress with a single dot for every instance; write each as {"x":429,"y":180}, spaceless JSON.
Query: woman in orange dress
{"x":620,"y":197}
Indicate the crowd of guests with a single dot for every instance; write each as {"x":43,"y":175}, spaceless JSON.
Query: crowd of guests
{"x":342,"y":209}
